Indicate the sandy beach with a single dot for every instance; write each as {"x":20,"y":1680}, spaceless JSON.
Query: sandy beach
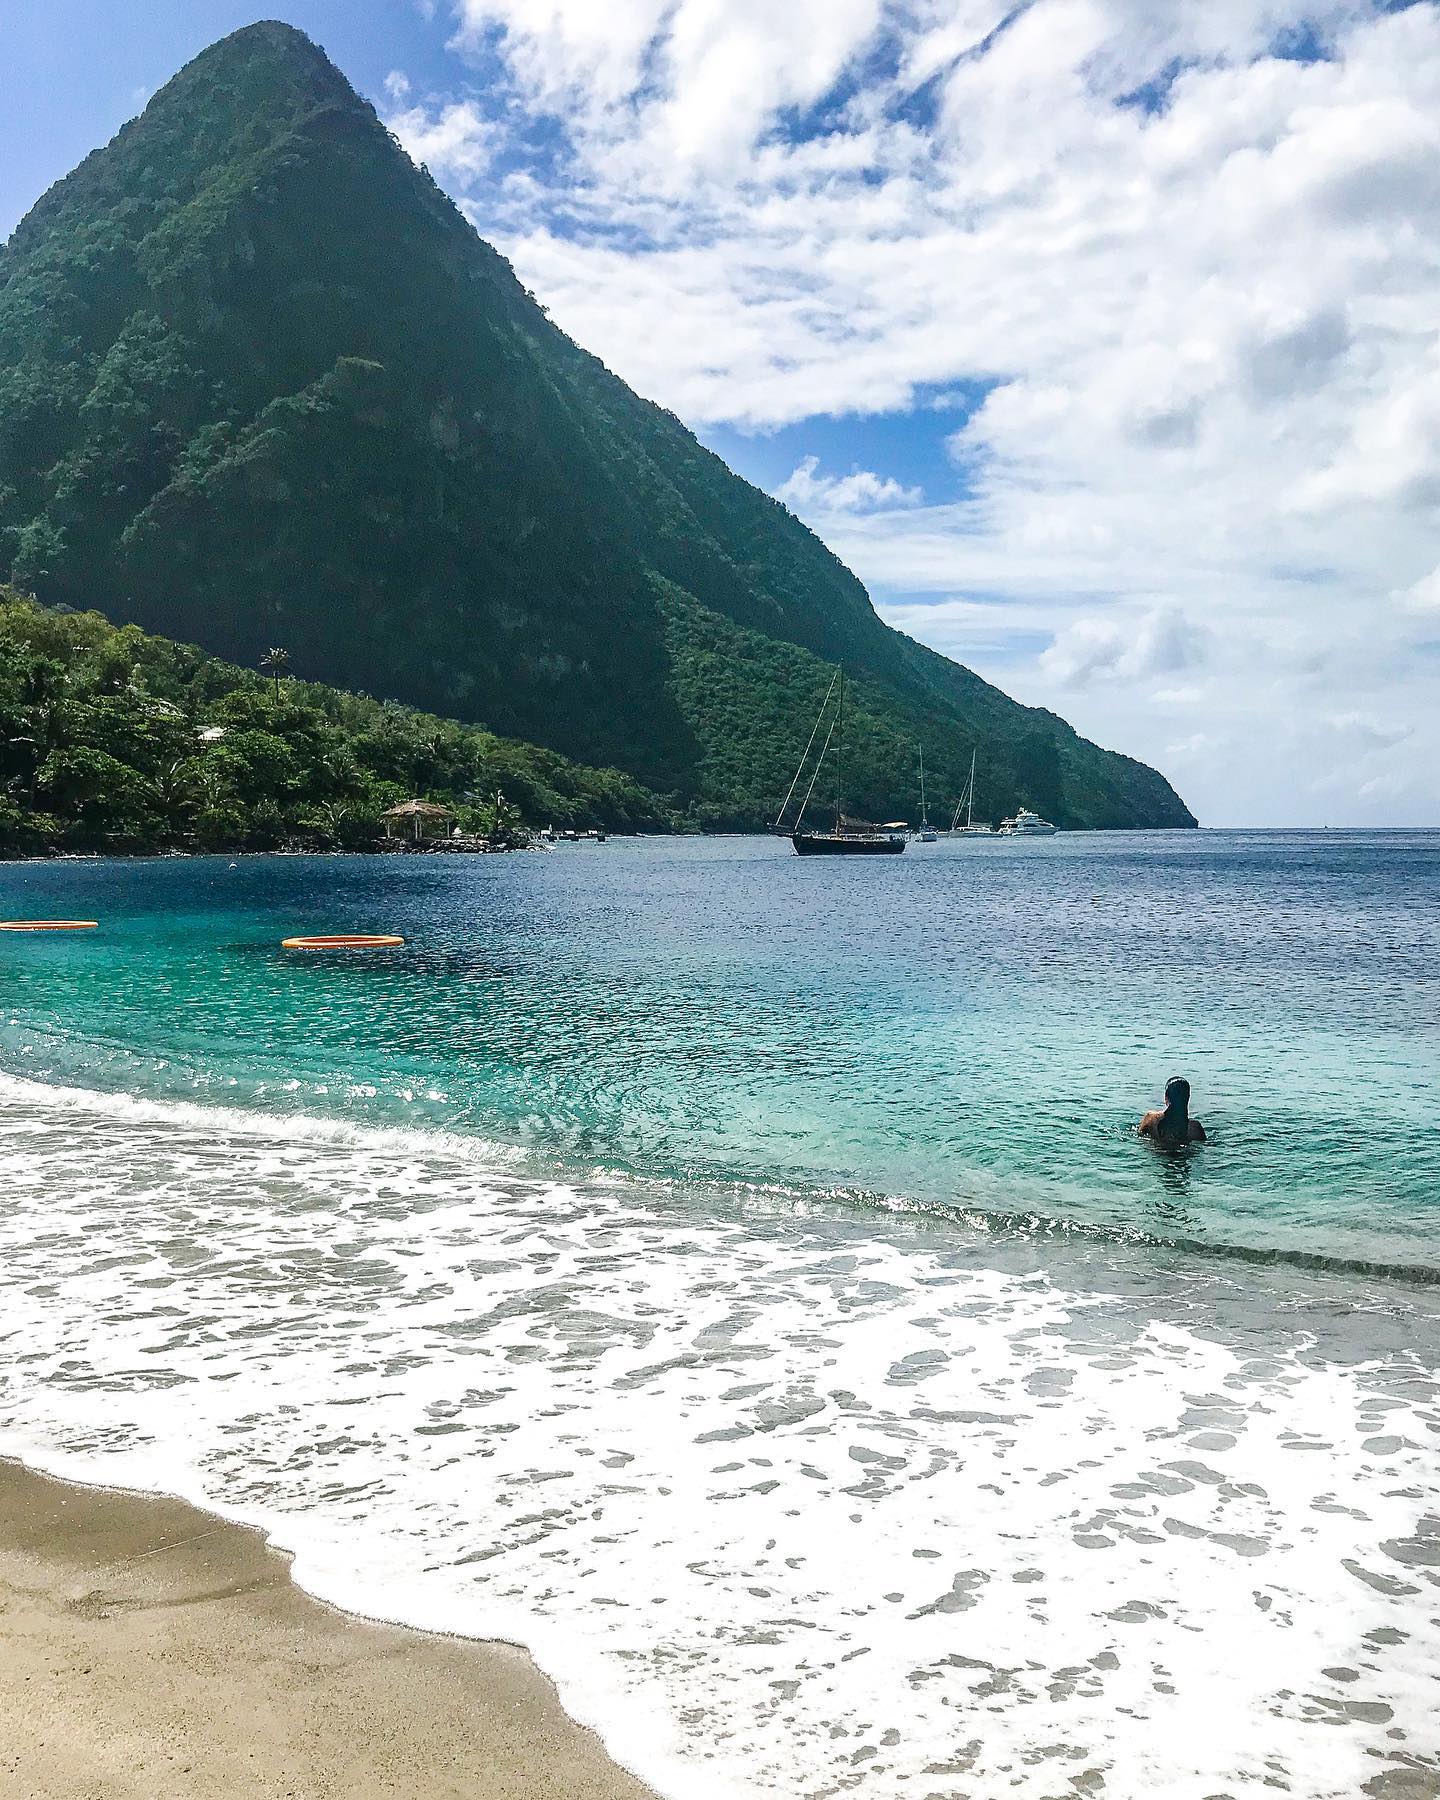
{"x":148,"y":1649}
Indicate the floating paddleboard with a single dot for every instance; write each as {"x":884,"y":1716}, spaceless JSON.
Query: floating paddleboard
{"x":346,"y":941}
{"x":48,"y":924}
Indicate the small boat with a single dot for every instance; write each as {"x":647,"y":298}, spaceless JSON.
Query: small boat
{"x":848,"y":836}
{"x":1027,"y":824}
{"x":966,"y":804}
{"x":926,"y":834}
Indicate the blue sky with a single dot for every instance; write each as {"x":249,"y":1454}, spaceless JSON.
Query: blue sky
{"x":1099,"y":338}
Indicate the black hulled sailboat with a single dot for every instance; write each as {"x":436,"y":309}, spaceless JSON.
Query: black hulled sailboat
{"x":850,"y":837}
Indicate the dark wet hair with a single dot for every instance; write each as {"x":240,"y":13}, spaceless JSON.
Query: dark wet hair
{"x":1177,"y":1091}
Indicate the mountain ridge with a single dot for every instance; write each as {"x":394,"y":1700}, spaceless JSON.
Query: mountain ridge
{"x":260,"y":381}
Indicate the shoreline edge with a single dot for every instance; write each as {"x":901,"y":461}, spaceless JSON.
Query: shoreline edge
{"x":147,"y":1646}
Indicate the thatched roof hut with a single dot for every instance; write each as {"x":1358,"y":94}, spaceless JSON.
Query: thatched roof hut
{"x":417,"y":811}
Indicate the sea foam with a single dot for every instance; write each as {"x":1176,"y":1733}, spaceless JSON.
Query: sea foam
{"x":782,"y":1504}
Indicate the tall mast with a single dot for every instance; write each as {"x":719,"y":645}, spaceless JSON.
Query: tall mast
{"x":840,"y":751}
{"x":814,"y":733}
{"x":966,"y":803}
{"x":924,"y":815}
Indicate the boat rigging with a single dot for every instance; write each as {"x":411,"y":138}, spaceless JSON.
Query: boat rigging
{"x":848,"y":837}
{"x":966,"y":805}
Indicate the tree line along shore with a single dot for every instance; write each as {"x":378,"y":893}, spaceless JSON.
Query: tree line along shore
{"x":114,"y":741}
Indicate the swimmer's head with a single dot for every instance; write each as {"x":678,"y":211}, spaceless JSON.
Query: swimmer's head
{"x":1177,"y":1091}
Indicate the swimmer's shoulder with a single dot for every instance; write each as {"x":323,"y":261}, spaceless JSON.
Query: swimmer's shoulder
{"x":1149,"y":1127}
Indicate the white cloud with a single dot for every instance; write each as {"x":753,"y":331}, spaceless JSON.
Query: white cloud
{"x":1422,"y":596}
{"x":1210,"y":332}
{"x":1361,"y":732}
{"x":397,"y":85}
{"x":452,"y":141}
{"x":1159,"y":643}
{"x":688,"y":84}
{"x":813,"y":494}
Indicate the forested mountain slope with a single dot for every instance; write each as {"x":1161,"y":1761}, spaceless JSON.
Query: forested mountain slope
{"x":261,"y":383}
{"x":112,"y":739}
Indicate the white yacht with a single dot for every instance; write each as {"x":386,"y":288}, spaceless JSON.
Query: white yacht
{"x":1028,"y":824}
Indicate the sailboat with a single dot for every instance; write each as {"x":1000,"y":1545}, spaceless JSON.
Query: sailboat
{"x":849,"y":837}
{"x":966,"y":804}
{"x":925,"y":834}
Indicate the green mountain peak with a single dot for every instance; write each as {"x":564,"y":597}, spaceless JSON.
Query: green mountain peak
{"x":261,"y":382}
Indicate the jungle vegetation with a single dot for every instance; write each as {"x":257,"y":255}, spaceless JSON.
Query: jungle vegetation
{"x":116,"y":741}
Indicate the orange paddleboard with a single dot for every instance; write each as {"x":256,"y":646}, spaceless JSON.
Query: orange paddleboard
{"x":48,"y":924}
{"x":349,"y":941}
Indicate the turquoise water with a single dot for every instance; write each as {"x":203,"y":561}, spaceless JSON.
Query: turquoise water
{"x":974,"y":1026}
{"x":736,"y":1279}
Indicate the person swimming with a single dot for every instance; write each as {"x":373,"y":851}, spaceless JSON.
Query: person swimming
{"x":1173,"y":1125}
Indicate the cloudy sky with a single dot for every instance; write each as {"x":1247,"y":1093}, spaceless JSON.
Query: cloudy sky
{"x":1098,"y":336}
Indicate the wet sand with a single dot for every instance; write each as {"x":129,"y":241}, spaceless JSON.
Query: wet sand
{"x":150,"y":1650}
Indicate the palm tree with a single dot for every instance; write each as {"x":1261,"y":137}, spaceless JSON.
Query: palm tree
{"x":504,"y":820}
{"x":275,"y":662}
{"x":179,"y":791}
{"x":43,"y":713}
